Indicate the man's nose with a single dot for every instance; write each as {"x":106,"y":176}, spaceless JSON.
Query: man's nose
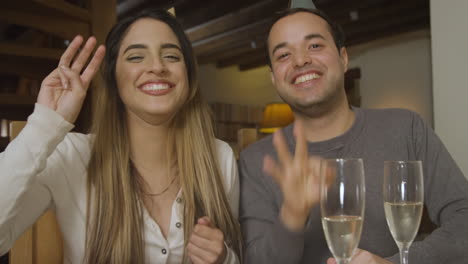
{"x":301,"y":59}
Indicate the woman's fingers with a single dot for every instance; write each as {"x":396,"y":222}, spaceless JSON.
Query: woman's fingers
{"x":74,"y":80}
{"x":63,"y":78}
{"x":82,"y":58}
{"x":70,"y":52}
{"x":93,"y":66}
{"x":195,"y":258}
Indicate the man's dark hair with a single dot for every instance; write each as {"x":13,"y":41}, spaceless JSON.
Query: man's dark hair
{"x":334,"y":28}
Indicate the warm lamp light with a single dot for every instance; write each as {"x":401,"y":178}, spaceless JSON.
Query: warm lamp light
{"x":276,"y":116}
{"x":172,"y":11}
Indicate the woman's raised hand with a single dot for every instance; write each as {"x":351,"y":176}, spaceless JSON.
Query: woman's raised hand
{"x":64,"y":89}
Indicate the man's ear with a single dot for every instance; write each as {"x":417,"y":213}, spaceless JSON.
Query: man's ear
{"x":344,"y":58}
{"x":272,"y":76}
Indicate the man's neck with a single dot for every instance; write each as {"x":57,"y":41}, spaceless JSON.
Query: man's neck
{"x":329,"y":125}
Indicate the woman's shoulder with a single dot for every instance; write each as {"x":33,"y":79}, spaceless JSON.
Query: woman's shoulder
{"x":227,"y":165}
{"x":223,"y":148}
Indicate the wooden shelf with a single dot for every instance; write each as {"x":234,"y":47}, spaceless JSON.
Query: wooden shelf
{"x":3,"y":143}
{"x":26,"y":51}
{"x":17,"y":100}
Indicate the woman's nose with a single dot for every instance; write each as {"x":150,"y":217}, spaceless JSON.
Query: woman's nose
{"x":158,"y":66}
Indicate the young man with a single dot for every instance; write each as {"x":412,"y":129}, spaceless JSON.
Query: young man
{"x":279,"y":212}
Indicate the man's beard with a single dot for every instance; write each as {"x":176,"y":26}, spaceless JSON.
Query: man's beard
{"x":315,"y":108}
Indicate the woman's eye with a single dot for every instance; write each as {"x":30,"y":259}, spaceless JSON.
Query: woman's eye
{"x":172,"y":57}
{"x":135,"y":58}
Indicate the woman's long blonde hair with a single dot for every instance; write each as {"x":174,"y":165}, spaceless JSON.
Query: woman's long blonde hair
{"x":114,"y":215}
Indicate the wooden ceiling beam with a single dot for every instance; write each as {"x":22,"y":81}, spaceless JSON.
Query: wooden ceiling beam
{"x":70,"y":10}
{"x":235,"y":19}
{"x":233,"y":49}
{"x":386,"y":22}
{"x":377,"y":33}
{"x":242,"y":33}
{"x":191,"y":16}
{"x":372,"y":13}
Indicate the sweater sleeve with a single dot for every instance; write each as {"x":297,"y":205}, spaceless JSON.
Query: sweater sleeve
{"x":266,"y":239}
{"x":446,"y":198}
{"x":23,"y":198}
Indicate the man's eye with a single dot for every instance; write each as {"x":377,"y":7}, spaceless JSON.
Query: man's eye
{"x":282,"y":56}
{"x":315,"y":46}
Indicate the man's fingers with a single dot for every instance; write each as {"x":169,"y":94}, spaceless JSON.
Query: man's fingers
{"x":281,"y":147}
{"x":270,"y":168}
{"x":300,"y":156}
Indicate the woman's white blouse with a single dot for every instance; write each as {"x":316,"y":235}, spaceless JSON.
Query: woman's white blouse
{"x":46,"y":167}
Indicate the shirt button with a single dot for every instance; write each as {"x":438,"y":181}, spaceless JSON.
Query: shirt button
{"x":179,"y":200}
{"x":178,"y":224}
{"x":164,"y":251}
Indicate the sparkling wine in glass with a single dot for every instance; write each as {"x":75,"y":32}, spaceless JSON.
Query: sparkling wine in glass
{"x":403,"y":196}
{"x":342,"y":202}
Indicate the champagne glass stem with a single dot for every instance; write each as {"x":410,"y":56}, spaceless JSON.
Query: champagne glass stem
{"x":404,"y":255}
{"x":342,"y":261}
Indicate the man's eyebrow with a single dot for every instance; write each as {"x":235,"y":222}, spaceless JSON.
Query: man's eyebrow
{"x":314,"y":35}
{"x":135,"y":46}
{"x":279,"y":46}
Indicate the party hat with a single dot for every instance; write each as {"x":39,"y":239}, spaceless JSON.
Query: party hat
{"x":301,"y":4}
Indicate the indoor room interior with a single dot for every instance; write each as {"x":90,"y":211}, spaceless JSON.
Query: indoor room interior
{"x":403,"y":54}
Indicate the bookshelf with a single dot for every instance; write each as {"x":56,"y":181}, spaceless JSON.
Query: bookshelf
{"x":229,"y":118}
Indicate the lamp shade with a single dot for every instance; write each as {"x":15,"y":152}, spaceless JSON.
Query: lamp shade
{"x":276,"y":116}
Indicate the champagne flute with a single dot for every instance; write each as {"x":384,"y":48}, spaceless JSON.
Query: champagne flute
{"x":403,"y":195}
{"x":342,"y":202}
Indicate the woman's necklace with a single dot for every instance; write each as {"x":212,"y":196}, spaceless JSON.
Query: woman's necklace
{"x":159,"y":193}
{"x":163,"y":191}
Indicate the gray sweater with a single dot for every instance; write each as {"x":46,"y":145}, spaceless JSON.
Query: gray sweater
{"x":376,"y":136}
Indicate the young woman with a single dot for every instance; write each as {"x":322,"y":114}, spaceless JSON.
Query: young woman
{"x":150,"y":184}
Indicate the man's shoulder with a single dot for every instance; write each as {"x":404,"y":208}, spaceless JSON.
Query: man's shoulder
{"x":258,"y":149}
{"x":390,"y":116}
